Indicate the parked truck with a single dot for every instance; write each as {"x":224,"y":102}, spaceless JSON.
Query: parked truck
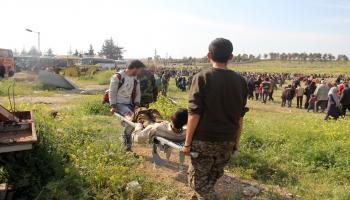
{"x":7,"y":63}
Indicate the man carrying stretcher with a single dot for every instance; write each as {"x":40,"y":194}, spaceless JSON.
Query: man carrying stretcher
{"x":124,"y":96}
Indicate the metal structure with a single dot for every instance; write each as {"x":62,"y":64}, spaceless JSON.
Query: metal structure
{"x":162,"y":144}
{"x":17,"y":130}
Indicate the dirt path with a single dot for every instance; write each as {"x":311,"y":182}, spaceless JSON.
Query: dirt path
{"x":229,"y":186}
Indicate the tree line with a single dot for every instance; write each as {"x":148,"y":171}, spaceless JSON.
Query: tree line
{"x":109,"y":50}
{"x":283,"y":57}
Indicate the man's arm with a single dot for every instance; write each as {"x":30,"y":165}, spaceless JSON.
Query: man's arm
{"x":193,"y":120}
{"x":195,"y":107}
{"x":138,"y":94}
{"x":113,"y":91}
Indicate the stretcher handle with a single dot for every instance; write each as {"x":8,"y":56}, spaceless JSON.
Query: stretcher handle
{"x":123,"y":119}
{"x":171,"y":144}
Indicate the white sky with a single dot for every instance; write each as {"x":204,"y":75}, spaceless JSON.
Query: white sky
{"x":143,"y":25}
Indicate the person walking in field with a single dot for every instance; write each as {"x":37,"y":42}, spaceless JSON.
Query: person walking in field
{"x":266,"y":84}
{"x":125,"y":95}
{"x":299,"y":92}
{"x":284,"y":96}
{"x":333,"y":106}
{"x":165,"y":83}
{"x":321,"y":94}
{"x":217,"y":101}
{"x":290,"y":93}
{"x":345,"y":99}
{"x":309,"y":91}
{"x":311,"y":103}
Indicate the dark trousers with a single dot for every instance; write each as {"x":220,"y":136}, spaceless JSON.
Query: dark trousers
{"x":344,"y":108}
{"x":307,"y":101}
{"x":311,"y":106}
{"x":264,"y":96}
{"x":322,"y":104}
{"x":271,"y":96}
{"x":284,"y":100}
{"x":300,"y":102}
{"x":289,"y":102}
{"x":251,"y":95}
{"x":257,"y":96}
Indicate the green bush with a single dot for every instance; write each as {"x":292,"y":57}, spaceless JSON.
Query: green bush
{"x":94,"y":106}
{"x":104,"y":77}
{"x":77,"y":156}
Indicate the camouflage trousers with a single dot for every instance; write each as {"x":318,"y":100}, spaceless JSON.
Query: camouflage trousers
{"x":208,"y":167}
{"x":146,"y":116}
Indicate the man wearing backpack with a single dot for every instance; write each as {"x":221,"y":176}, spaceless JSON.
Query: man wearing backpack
{"x":124,"y":93}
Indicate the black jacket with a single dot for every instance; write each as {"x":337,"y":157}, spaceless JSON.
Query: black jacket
{"x":345,"y":96}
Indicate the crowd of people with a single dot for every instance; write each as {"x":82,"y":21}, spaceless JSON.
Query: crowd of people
{"x":312,"y":92}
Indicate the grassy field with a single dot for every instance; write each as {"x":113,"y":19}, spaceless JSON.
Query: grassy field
{"x":290,"y":148}
{"x":294,"y":67}
{"x":79,"y":155}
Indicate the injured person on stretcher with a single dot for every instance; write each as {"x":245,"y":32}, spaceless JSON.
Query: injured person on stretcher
{"x":149,"y":123}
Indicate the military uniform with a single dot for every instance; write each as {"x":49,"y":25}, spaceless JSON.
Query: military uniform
{"x":146,"y":116}
{"x":165,"y":84}
{"x":208,"y":167}
{"x":149,"y":91}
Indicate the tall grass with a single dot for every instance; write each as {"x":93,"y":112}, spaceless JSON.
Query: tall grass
{"x":78,"y":156}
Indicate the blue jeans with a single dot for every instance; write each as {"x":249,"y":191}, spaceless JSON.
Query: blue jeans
{"x":124,"y":109}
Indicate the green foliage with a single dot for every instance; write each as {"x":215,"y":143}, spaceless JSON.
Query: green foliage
{"x":164,"y":106}
{"x":78,"y":156}
{"x":93,"y":106}
{"x":104,"y":77}
{"x":297,"y":150}
{"x":25,"y":88}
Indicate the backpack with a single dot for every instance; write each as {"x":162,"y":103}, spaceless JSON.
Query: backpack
{"x":121,"y":82}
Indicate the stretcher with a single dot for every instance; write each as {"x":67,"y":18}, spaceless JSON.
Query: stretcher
{"x":161,"y":144}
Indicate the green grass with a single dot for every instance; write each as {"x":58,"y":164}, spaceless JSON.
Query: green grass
{"x":294,"y":67}
{"x":78,"y":156}
{"x":24,"y":88}
{"x":101,"y":77}
{"x":291,"y":148}
{"x":297,"y":150}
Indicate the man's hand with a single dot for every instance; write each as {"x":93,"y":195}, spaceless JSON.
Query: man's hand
{"x":113,"y":110}
{"x":186,"y":150}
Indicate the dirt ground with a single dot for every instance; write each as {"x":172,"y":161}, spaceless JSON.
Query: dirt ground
{"x":228,"y":187}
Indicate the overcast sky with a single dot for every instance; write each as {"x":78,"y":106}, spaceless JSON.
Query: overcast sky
{"x":178,"y":27}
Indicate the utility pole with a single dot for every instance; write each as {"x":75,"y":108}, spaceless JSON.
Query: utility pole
{"x":37,"y":32}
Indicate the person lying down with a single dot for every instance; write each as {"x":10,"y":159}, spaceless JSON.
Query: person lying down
{"x":149,"y":124}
